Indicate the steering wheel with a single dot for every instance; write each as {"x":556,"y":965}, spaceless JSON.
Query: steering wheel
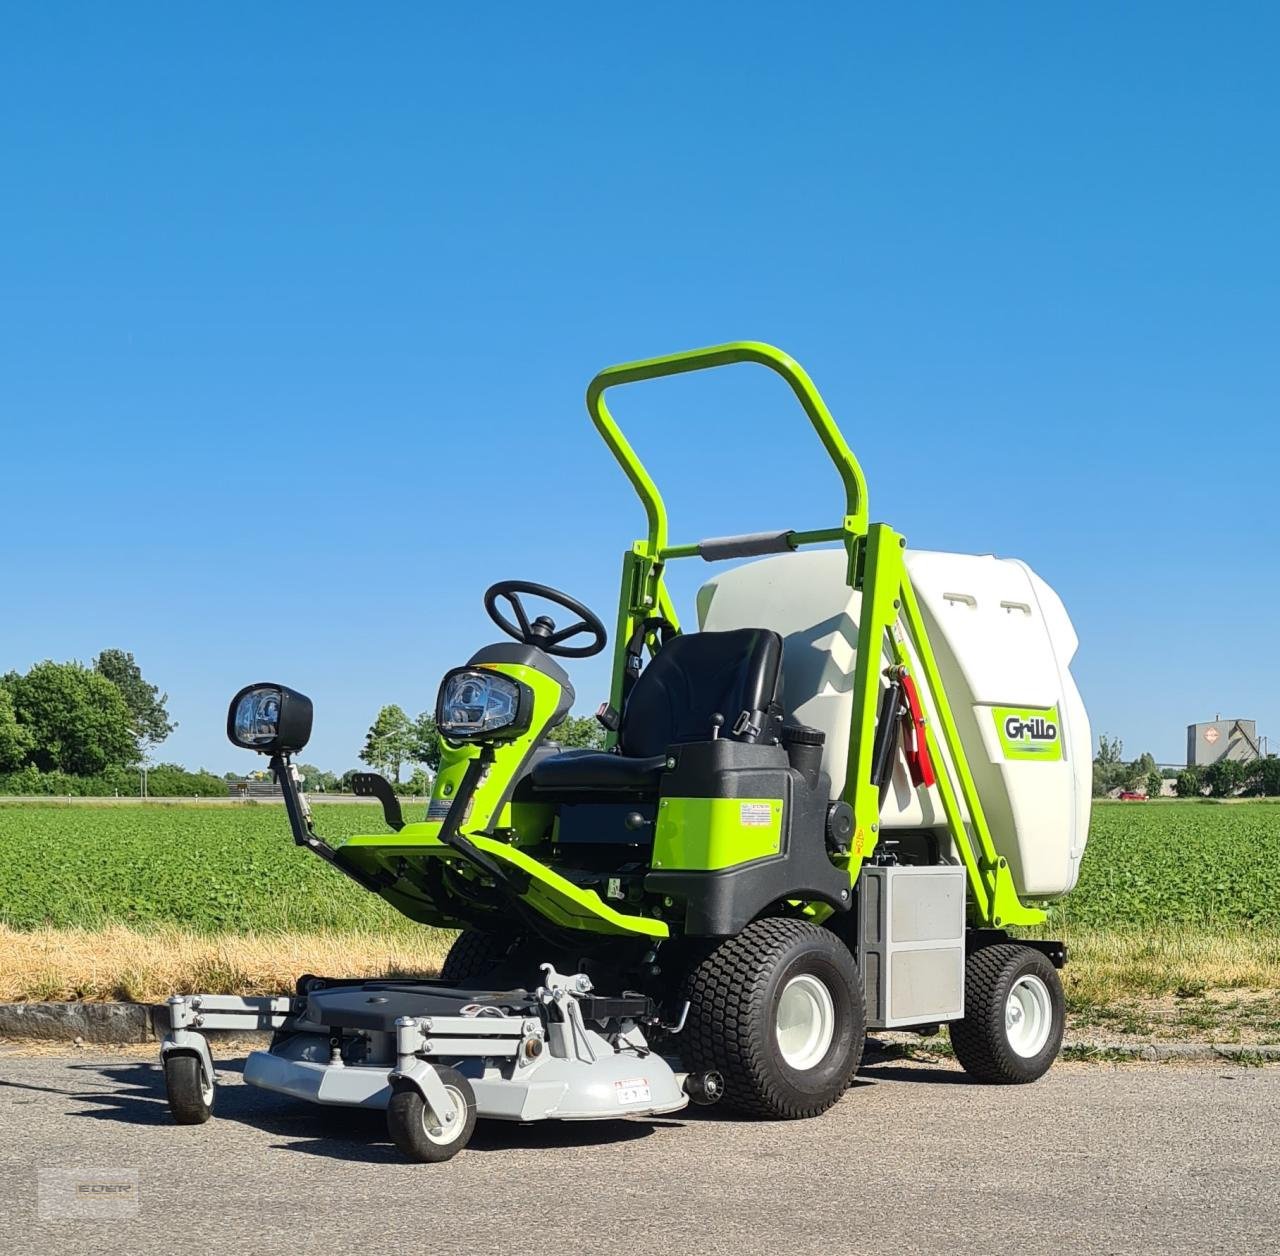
{"x":542,"y":632}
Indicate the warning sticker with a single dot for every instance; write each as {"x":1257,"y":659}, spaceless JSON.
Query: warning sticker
{"x":632,"y":1090}
{"x":755,"y":815}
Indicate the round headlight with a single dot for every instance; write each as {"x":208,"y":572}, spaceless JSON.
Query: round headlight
{"x":475,"y":705}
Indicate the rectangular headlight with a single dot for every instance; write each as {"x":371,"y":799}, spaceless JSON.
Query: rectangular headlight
{"x":270,"y":719}
{"x":479,"y":705}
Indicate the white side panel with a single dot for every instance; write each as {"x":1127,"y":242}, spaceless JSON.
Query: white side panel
{"x":1001,"y":638}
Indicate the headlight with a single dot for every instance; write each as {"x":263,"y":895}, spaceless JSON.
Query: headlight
{"x":271,"y":719}
{"x":479,"y":705}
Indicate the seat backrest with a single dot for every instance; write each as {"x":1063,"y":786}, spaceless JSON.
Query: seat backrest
{"x":694,"y":677}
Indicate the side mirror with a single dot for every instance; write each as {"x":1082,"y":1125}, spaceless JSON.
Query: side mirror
{"x":270,"y":719}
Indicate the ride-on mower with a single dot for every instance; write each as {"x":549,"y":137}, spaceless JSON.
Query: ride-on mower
{"x":819,"y":812}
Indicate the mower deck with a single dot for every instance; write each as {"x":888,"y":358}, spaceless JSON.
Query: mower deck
{"x":559,"y":1052}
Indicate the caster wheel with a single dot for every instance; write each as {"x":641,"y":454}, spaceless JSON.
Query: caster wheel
{"x":189,"y":1088}
{"x":414,"y":1128}
{"x":1014,"y":1013}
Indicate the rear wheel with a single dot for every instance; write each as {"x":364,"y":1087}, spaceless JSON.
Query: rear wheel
{"x":189,"y":1088}
{"x":417,"y":1131}
{"x":473,"y":955}
{"x":1014,"y":1014}
{"x":778,"y":1011}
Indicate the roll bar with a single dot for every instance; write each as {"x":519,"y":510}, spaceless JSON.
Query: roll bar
{"x":855,"y":484}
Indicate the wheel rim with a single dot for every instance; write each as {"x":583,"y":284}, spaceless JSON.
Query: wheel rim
{"x":806,"y":1021}
{"x":1028,"y":1016}
{"x":206,"y":1087}
{"x":442,"y":1133}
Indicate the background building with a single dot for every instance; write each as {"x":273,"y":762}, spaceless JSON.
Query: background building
{"x":1222,"y":739}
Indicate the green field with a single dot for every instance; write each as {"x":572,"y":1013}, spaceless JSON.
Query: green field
{"x":1204,"y":865}
{"x":235,"y":869}
{"x":212,"y":868}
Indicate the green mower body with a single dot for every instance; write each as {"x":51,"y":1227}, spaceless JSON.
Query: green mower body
{"x":727,"y":828}
{"x":706,"y":846}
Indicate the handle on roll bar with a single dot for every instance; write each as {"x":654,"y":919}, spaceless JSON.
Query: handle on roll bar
{"x":748,"y":545}
{"x":855,"y":484}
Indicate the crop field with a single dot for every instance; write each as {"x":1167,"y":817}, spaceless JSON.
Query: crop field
{"x":1199,"y":864}
{"x":235,"y":869}
{"x":211,"y":868}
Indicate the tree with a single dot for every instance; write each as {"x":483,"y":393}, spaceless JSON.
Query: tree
{"x":146,"y":703}
{"x":1188,"y":784}
{"x":392,"y":740}
{"x":77,"y":720}
{"x":418,"y":785}
{"x":1264,"y":776}
{"x":426,"y":741}
{"x":1143,"y":766}
{"x":15,"y":740}
{"x":1155,"y":784}
{"x":314,"y":781}
{"x":579,"y":730}
{"x":1110,"y":771}
{"x":1224,"y":777}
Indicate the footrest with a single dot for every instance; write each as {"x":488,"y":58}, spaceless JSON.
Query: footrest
{"x":371,"y":785}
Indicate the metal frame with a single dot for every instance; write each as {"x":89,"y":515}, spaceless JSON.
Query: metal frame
{"x":522,"y":1067}
{"x":890,"y":612}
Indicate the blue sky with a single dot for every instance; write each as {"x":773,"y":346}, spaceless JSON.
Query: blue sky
{"x":298,"y":303}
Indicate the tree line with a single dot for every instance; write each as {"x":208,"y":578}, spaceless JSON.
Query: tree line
{"x":67,"y":728}
{"x":1224,"y":779}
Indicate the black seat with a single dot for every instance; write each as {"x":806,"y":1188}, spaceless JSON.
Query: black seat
{"x":689,"y":681}
{"x":598,"y":769}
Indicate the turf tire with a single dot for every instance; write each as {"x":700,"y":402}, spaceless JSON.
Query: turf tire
{"x":981,"y":1040}
{"x":473,"y":955}
{"x":733,"y":995}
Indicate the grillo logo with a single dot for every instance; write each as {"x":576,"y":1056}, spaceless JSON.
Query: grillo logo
{"x":1035,"y":729}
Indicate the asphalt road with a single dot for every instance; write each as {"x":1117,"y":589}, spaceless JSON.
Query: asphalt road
{"x":1095,"y":1158}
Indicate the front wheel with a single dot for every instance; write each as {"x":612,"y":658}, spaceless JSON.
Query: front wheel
{"x":1014,"y":1015}
{"x":779,"y":1012}
{"x":189,"y":1088}
{"x":474,"y":955}
{"x":415,"y":1129}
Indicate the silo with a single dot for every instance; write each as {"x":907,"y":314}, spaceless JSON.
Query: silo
{"x":1222,"y":739}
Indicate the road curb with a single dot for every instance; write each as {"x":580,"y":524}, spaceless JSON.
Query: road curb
{"x":119,"y":1023}
{"x":126,"y":1024}
{"x":1164,"y":1051}
{"x":109,"y":1024}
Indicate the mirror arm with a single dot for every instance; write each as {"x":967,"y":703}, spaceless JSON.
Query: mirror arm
{"x":304,"y":833}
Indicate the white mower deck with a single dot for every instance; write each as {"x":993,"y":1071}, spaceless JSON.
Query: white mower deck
{"x":559,"y":1052}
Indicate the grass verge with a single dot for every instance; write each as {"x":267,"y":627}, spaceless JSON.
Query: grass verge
{"x":118,"y":963}
{"x":1175,"y":983}
{"x":1159,"y":985}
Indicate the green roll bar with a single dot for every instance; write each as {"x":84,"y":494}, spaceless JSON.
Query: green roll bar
{"x":855,"y":483}
{"x":644,"y":593}
{"x":875,"y":566}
